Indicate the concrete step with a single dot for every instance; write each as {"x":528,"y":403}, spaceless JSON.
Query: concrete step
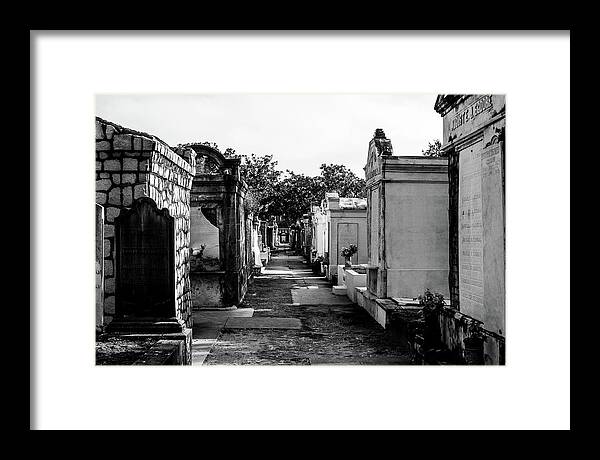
{"x":338,"y":290}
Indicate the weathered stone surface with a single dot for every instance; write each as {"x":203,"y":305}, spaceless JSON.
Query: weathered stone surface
{"x":108,"y":268}
{"x":114,"y":197}
{"x":110,"y":131}
{"x":109,"y":305}
{"x":101,"y":198}
{"x":139,"y":191}
{"x":122,"y":142}
{"x":109,"y":286}
{"x":107,"y":246}
{"x":99,"y":131}
{"x":130,"y":164}
{"x":103,"y":185}
{"x":128,"y":178}
{"x":109,"y":230}
{"x":148,"y":144}
{"x":127,"y":196}
{"x":112,"y":165}
{"x":111,"y":213}
{"x":103,"y":145}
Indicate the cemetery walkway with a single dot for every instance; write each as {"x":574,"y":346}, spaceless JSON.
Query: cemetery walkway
{"x":290,"y":316}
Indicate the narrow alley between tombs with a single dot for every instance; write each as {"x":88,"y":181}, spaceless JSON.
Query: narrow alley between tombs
{"x":205,"y":256}
{"x":290,"y":316}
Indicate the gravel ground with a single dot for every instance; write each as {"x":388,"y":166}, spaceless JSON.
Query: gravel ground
{"x":114,"y":350}
{"x":330,"y":334}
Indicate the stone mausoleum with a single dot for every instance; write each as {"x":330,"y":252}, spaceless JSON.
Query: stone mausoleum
{"x":220,"y":246}
{"x":346,"y":221}
{"x":474,"y":141}
{"x":318,"y":222}
{"x":407,"y":231}
{"x":143,"y":219}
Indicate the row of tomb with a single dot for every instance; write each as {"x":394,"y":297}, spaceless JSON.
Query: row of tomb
{"x":428,"y":223}
{"x":173,"y":233}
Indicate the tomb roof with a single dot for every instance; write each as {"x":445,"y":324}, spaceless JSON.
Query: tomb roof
{"x":124,"y":130}
{"x":353,"y":203}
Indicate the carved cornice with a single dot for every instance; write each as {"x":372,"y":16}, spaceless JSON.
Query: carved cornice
{"x":445,"y":102}
{"x":474,"y":136}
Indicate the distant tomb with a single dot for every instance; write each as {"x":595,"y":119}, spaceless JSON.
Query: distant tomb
{"x":345,"y":224}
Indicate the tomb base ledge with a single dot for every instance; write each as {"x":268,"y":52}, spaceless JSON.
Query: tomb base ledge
{"x":145,"y":325}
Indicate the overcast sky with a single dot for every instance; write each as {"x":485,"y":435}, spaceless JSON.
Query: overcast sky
{"x":300,"y":131}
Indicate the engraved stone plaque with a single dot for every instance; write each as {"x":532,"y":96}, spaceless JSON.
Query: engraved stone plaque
{"x":481,"y":235}
{"x":470,"y":231}
{"x":145,"y":278}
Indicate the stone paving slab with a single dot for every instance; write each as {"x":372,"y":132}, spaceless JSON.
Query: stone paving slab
{"x":201,"y":349}
{"x":207,"y":327}
{"x":208,"y":324}
{"x":321,"y":296}
{"x":263,"y":322}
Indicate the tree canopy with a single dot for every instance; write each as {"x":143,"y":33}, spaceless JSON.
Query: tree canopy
{"x":290,"y":195}
{"x":434,"y":149}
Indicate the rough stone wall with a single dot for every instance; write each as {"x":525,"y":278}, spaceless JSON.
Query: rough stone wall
{"x":130,"y":165}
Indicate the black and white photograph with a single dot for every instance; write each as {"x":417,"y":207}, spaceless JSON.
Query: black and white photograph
{"x":300,"y":229}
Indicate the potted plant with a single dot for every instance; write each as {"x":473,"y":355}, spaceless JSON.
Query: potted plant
{"x":473,"y":352}
{"x":433,"y":305}
{"x":347,"y":253}
{"x":316,"y":265}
